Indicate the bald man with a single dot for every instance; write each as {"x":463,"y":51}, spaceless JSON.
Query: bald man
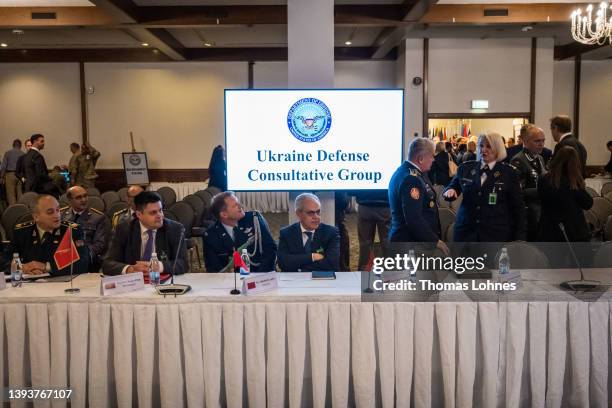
{"x":36,"y":241}
{"x":129,"y":213}
{"x":529,"y":165}
{"x":95,"y":224}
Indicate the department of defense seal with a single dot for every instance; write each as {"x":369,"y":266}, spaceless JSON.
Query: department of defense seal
{"x":309,"y":120}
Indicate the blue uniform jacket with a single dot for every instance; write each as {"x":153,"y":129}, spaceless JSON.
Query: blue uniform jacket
{"x":482,"y":218}
{"x":219,"y":247}
{"x":414,"y":209}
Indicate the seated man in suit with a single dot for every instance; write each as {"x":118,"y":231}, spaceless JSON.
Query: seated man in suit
{"x":309,"y":245}
{"x":36,"y":241}
{"x":135,"y":241}
{"x":235,"y":230}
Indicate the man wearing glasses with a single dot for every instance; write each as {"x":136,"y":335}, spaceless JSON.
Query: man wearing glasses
{"x":309,"y":245}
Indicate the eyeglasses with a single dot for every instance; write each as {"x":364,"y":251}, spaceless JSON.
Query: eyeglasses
{"x":312,"y":213}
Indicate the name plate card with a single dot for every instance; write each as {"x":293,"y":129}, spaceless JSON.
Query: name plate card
{"x":512,"y":277}
{"x":112,"y":285}
{"x":260,"y":283}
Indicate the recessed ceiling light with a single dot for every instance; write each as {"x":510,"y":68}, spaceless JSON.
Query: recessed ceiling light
{"x":3,"y":45}
{"x":347,"y":42}
{"x":207,"y":44}
{"x":526,"y":28}
{"x":18,"y":31}
{"x":145,"y":44}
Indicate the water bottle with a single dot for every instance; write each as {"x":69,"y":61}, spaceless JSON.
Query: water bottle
{"x":411,"y":260}
{"x":504,"y":262}
{"x":154,"y":278}
{"x":246,"y":269}
{"x":16,"y":271}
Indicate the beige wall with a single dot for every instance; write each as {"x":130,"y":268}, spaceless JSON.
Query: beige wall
{"x":174,"y":109}
{"x":41,"y":98}
{"x":595,"y":109}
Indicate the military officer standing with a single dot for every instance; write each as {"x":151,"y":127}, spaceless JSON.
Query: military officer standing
{"x":235,"y":230}
{"x":94,"y":224}
{"x":86,"y":166}
{"x":492,"y":209}
{"x":529,"y":165}
{"x":414,"y":210}
{"x":36,"y":241}
{"x":129,"y":213}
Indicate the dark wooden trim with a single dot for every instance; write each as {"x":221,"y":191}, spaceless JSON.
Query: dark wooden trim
{"x":251,"y":66}
{"x":470,"y":115}
{"x":83,"y":55}
{"x":425,"y":130}
{"x":114,"y":179}
{"x":577,"y":78}
{"x":573,"y":49}
{"x":532,"y":81}
{"x":84,"y":123}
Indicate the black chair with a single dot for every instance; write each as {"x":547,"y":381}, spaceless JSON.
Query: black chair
{"x":113,"y":208}
{"x":447,"y":217}
{"x":197,"y":205}
{"x":92,"y":191}
{"x":97,"y":203}
{"x":608,"y":229}
{"x":185,"y":215}
{"x":10,"y":218}
{"x":109,"y":198}
{"x":606,"y":188}
{"x":602,"y":208}
{"x":28,"y":199}
{"x":168,"y":196}
{"x":592,"y":192}
{"x":123,"y":194}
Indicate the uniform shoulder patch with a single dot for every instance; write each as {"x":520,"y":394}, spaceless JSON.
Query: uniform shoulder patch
{"x":413,"y":172}
{"x":24,"y":224}
{"x":415,"y":194}
{"x":95,"y":211}
{"x":70,"y":224}
{"x":64,"y":208}
{"x":118,"y":213}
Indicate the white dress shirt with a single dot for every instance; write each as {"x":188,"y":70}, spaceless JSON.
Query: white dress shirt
{"x":483,"y":177}
{"x":304,"y":236}
{"x":144,"y":237}
{"x":229,"y":230}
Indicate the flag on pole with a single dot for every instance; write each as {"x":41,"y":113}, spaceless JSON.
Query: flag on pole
{"x":238,"y":262}
{"x":370,"y":263}
{"x":66,"y":253}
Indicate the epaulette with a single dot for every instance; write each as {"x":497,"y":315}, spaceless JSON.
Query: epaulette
{"x":24,"y":224}
{"x":413,"y":172}
{"x":117,"y":213}
{"x":64,"y":208}
{"x":95,"y":210}
{"x":70,"y":224}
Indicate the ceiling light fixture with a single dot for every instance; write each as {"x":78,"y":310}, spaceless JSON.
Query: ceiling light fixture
{"x":18,"y":31}
{"x":526,"y":28}
{"x":207,"y":44}
{"x":3,"y":45}
{"x":144,"y":44}
{"x":587,"y":30}
{"x":349,"y":40}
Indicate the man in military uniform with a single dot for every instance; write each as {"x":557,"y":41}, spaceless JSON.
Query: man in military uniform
{"x":529,"y":165}
{"x":86,"y":166}
{"x":414,"y":210}
{"x":235,"y":230}
{"x":94,"y":224}
{"x":129,"y":213}
{"x":75,"y":149}
{"x":36,"y":241}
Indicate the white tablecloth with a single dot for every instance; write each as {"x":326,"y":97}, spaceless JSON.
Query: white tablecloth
{"x":596,"y":183}
{"x":312,"y":343}
{"x":264,"y":201}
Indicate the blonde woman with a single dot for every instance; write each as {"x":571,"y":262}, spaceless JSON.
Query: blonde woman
{"x":492,"y":209}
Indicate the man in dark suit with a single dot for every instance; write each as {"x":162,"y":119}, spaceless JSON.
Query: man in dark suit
{"x":561,"y":130}
{"x":135,"y":241}
{"x":236,"y":230}
{"x":36,"y":171}
{"x":309,"y":245}
{"x":36,"y":241}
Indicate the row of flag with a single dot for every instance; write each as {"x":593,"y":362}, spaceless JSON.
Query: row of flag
{"x":462,"y":129}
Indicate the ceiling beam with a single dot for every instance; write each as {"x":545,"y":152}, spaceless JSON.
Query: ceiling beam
{"x":153,"y":55}
{"x":14,"y":17}
{"x":516,"y":13}
{"x":127,"y":12}
{"x":574,"y":49}
{"x":413,"y":11}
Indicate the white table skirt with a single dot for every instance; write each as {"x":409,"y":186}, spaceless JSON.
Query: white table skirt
{"x":264,"y":201}
{"x":303,"y":346}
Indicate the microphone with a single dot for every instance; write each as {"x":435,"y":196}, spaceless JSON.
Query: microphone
{"x":577,"y":285}
{"x":172,"y":288}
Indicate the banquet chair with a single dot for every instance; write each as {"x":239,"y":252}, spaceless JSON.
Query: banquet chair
{"x":603,"y":256}
{"x":592,"y":192}
{"x":92,"y":191}
{"x":114,"y":207}
{"x":122,"y":193}
{"x":168,"y":196}
{"x":524,"y":255}
{"x":10,"y":218}
{"x":608,"y":229}
{"x":602,"y":208}
{"x":97,"y":203}
{"x":606,"y":188}
{"x":185,"y":215}
{"x":109,"y":198}
{"x":447,"y":217}
{"x":29,"y":199}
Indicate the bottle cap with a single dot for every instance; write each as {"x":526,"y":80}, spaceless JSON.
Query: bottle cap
{"x":15,"y":255}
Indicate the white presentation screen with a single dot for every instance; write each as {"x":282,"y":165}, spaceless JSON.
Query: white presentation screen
{"x":340,"y":139}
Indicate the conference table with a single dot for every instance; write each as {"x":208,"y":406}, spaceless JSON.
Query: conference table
{"x":308,"y":343}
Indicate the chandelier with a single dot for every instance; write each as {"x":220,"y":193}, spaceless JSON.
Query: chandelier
{"x":587,"y":30}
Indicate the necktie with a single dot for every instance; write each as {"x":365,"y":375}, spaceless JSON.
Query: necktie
{"x":308,"y":243}
{"x":148,"y":251}
{"x":45,"y":237}
{"x":76,"y":217}
{"x":485,"y":170}
{"x":235,"y":230}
